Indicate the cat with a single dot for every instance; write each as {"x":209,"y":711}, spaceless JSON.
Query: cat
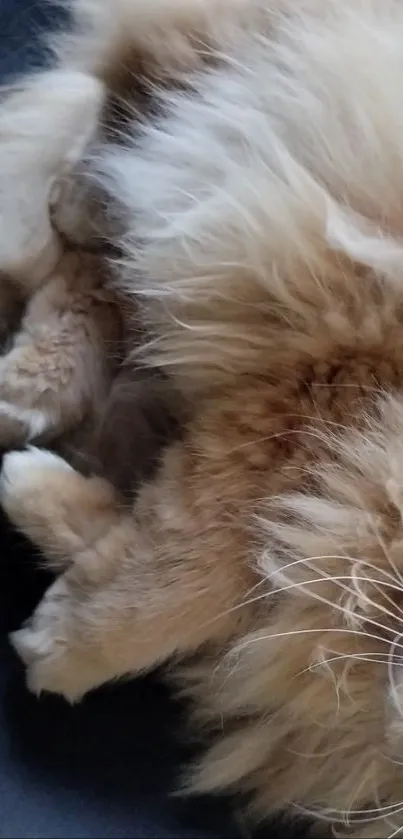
{"x":262,"y":199}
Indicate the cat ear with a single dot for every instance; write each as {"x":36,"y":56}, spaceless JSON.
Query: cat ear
{"x":45,"y":127}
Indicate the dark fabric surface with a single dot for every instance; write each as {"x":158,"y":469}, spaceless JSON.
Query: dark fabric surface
{"x":106,"y":767}
{"x":22,"y":23}
{"x":103,"y":768}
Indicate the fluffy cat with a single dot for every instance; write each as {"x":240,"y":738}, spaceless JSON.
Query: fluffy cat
{"x":263,"y":205}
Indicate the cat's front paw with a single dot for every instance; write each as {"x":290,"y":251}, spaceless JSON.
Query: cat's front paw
{"x":83,"y":212}
{"x":55,"y":506}
{"x":73,"y":213}
{"x":29,"y":469}
{"x":27,"y":480}
{"x":47,"y":644}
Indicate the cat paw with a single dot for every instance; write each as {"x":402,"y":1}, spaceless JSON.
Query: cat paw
{"x":26,"y":477}
{"x":73,"y":213}
{"x":53,"y":663}
{"x":22,"y":469}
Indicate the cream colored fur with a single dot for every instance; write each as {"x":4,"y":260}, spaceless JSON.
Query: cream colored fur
{"x":45,"y":127}
{"x":264,"y":213}
{"x":56,"y":374}
{"x":58,"y":370}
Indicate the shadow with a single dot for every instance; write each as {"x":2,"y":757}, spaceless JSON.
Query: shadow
{"x":105,"y":767}
{"x":22,"y":580}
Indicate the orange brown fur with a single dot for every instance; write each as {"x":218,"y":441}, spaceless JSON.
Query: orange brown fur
{"x":263,"y":246}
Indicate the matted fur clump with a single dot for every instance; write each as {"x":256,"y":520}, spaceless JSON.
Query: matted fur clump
{"x":262,"y":204}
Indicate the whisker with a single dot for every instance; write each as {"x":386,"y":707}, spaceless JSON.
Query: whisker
{"x":301,"y":432}
{"x":383,"y":547}
{"x":396,"y":832}
{"x":377,"y":658}
{"x":362,"y":594}
{"x":344,"y":556}
{"x":380,"y":813}
{"x":300,"y":585}
{"x":343,"y":609}
{"x":315,"y":631}
{"x":391,"y":657}
{"x":326,"y":385}
{"x":337,"y":606}
{"x":341,"y":426}
{"x":353,"y":560}
{"x":303,"y":583}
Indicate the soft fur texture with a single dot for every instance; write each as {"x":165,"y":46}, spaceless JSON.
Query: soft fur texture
{"x":56,"y":373}
{"x":63,"y":376}
{"x":263,"y":205}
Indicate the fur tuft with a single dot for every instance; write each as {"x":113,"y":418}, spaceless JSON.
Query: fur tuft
{"x":257,"y":198}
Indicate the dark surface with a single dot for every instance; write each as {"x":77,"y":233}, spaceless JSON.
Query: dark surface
{"x":21,"y":24}
{"x":106,"y":767}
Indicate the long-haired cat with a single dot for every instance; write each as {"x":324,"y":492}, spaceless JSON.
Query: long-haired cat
{"x":263,"y":205}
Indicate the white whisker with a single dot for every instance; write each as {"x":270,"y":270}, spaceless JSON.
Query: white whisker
{"x":375,"y":659}
{"x":304,"y":583}
{"x":316,"y":631}
{"x":301,"y":432}
{"x":383,"y":547}
{"x":344,"y":556}
{"x":339,"y":580}
{"x":372,"y":814}
{"x":391,"y":660}
{"x":326,"y":385}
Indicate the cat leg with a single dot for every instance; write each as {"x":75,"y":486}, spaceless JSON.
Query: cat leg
{"x":136,"y":590}
{"x":45,"y":126}
{"x":56,"y":371}
{"x":82,"y":211}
